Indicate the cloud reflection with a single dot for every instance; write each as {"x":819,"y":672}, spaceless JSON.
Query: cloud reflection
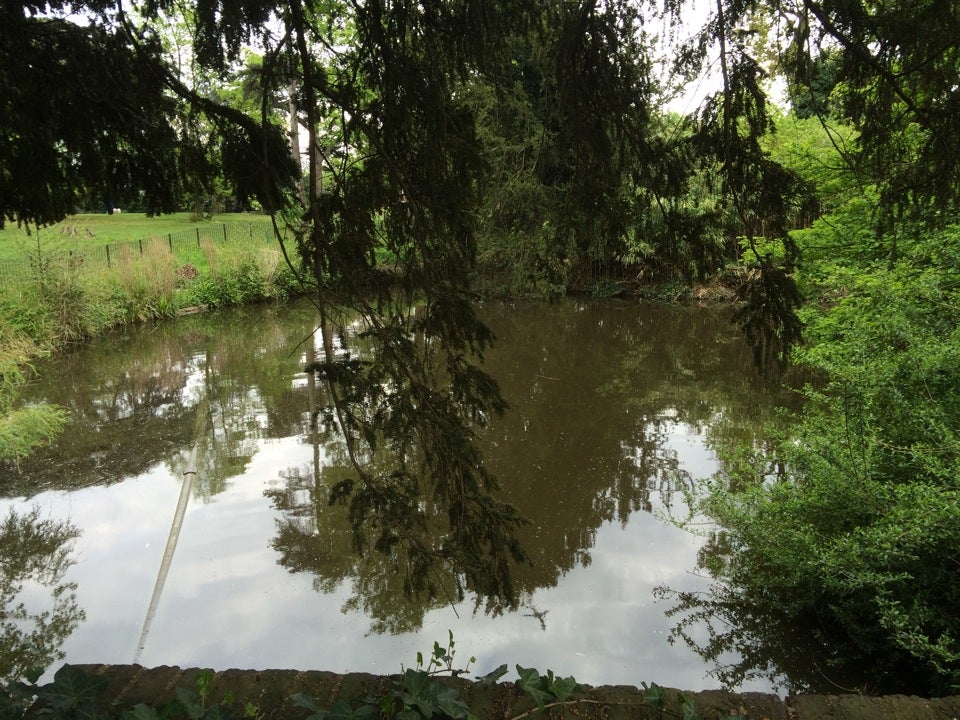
{"x":614,"y":411}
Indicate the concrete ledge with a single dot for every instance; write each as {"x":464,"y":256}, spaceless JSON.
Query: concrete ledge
{"x":270,"y":691}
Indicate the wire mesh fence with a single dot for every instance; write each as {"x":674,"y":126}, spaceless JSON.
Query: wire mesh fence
{"x":186,"y":246}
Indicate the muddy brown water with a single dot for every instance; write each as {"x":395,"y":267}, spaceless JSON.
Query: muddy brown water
{"x":616,"y":412}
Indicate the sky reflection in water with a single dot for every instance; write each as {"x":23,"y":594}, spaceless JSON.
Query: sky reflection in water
{"x":614,"y":410}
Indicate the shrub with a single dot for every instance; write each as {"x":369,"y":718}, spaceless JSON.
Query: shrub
{"x":860,"y":532}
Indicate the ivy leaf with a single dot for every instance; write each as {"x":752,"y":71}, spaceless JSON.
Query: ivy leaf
{"x":491,"y":677}
{"x":562,"y":688}
{"x":308,"y":702}
{"x":218,"y":712}
{"x":688,"y":708}
{"x":86,"y":711}
{"x":191,"y":706}
{"x":416,"y":684}
{"x":531,"y":682}
{"x":450,"y":703}
{"x":653,"y":695}
{"x":71,"y":688}
{"x":365,"y":712}
{"x":340,"y":710}
{"x":419,"y":693}
{"x":140,"y":712}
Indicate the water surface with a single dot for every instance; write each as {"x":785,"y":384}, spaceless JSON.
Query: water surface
{"x":616,"y":411}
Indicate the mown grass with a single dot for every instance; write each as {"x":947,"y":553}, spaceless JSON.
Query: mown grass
{"x":82,"y":232}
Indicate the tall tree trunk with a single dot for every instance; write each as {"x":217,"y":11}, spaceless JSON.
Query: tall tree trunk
{"x":293,"y":134}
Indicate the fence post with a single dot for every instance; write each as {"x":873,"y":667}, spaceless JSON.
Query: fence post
{"x":224,"y":232}
{"x":108,"y":255}
{"x":198,"y":237}
{"x":141,"y":246}
{"x":170,"y":242}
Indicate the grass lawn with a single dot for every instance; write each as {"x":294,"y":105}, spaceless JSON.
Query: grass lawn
{"x":78,"y":232}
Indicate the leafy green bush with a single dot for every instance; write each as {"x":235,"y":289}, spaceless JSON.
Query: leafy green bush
{"x":858,"y":535}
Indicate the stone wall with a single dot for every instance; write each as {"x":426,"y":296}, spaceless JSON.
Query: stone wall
{"x":270,"y":691}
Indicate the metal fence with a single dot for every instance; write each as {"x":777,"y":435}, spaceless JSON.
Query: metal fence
{"x":181,"y":244}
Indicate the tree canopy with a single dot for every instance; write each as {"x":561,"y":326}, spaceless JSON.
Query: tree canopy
{"x":94,"y":104}
{"x":91,"y":105}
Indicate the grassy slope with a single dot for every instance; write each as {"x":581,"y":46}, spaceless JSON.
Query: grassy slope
{"x":83,"y":231}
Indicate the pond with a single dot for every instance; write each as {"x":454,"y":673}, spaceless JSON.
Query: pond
{"x":616,"y":410}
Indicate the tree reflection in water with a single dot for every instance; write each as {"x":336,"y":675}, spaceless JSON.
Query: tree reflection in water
{"x":602,"y":397}
{"x":423,"y":520}
{"x":745,"y":638}
{"x":34,"y":553}
{"x":597,"y":398}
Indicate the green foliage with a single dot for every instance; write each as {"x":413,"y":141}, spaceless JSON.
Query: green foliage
{"x":24,"y":429}
{"x":821,"y":152}
{"x":422,"y":697}
{"x":442,"y":659}
{"x":339,"y":710}
{"x":106,"y":133}
{"x":71,"y":694}
{"x":546,"y":688}
{"x":74,"y":695}
{"x":767,"y":314}
{"x":562,"y":123}
{"x":843,"y":536}
{"x":244,"y":283}
{"x":64,"y":302}
{"x":812,"y":84}
{"x":417,"y":694}
{"x":517,"y":211}
{"x":854,"y":536}
{"x":120,"y":138}
{"x":657,"y":698}
{"x":896,"y":99}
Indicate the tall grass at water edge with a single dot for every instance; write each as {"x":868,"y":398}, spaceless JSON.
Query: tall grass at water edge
{"x":61,"y":300}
